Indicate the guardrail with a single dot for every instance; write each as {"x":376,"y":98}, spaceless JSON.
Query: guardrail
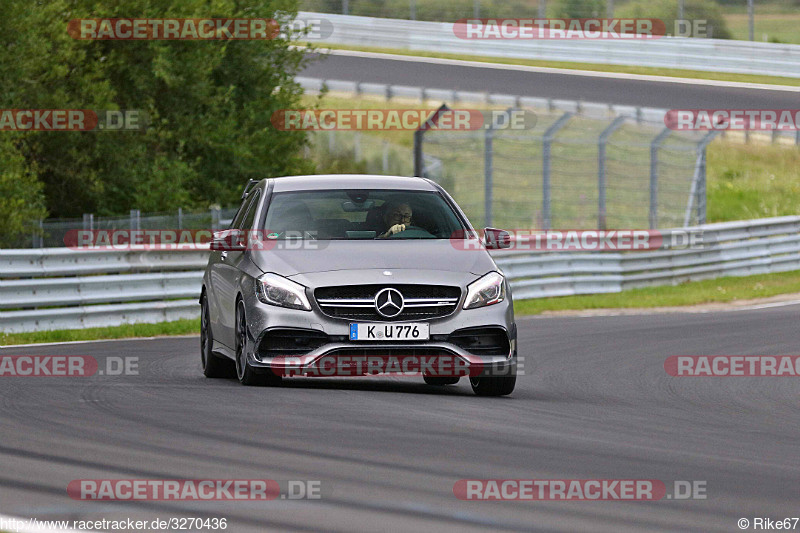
{"x":60,"y":288}
{"x":729,"y":249}
{"x":718,"y":55}
{"x":52,"y":288}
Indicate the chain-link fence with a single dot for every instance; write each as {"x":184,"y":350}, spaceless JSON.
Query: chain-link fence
{"x":571,"y":171}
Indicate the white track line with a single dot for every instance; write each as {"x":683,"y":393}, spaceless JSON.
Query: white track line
{"x":632,"y":311}
{"x":188,"y":336}
{"x":570,"y":72}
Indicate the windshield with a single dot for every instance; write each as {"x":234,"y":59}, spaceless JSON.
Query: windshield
{"x":360,"y":214}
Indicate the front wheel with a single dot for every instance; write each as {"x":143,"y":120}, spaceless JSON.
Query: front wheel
{"x":246,"y":373}
{"x":493,"y":385}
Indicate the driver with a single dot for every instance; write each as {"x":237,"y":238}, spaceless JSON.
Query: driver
{"x":396,"y":218}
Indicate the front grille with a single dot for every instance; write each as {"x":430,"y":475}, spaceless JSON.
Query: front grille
{"x":290,"y":341}
{"x":357,"y":302}
{"x":481,"y":341}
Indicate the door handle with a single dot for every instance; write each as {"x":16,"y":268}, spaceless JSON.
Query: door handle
{"x":223,"y":255}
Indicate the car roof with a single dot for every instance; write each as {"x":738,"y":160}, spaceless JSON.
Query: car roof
{"x":350,"y":181}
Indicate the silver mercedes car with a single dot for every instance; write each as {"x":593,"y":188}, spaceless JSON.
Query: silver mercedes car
{"x":328,"y":268}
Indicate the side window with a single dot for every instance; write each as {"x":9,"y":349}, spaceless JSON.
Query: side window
{"x":250,"y":217}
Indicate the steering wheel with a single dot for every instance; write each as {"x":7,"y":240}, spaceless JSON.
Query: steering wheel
{"x":413,"y":232}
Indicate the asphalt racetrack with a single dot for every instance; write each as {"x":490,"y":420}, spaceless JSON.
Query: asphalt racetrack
{"x":600,"y":87}
{"x":595,"y":403}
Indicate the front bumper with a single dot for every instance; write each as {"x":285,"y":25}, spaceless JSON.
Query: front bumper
{"x":333,"y":346}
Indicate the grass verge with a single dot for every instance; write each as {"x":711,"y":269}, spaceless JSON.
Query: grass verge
{"x":622,"y":69}
{"x":178,"y":327}
{"x":777,"y":27}
{"x":752,"y":181}
{"x":727,"y":289}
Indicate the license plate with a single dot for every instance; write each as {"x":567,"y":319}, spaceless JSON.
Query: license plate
{"x":390,"y":332}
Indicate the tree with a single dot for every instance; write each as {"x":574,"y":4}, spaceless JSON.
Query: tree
{"x":207,"y":103}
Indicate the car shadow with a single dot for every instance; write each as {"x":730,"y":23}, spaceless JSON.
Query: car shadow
{"x":413,"y":385}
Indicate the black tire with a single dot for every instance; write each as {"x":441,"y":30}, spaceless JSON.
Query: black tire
{"x":214,"y":366}
{"x":493,"y":386}
{"x":439,"y":381}
{"x":244,"y":372}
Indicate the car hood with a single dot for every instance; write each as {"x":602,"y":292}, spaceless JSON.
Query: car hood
{"x":336,"y":256}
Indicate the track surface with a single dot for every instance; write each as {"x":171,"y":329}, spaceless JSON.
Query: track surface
{"x":668,"y":95}
{"x":595,"y":403}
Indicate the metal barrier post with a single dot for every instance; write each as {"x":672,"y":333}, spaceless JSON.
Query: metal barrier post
{"x":88,"y":221}
{"x":601,"y":170}
{"x":701,"y":183}
{"x":38,"y":234}
{"x":488,"y":181}
{"x":654,"y":146}
{"x":547,"y":140}
{"x":135,"y":219}
{"x":419,"y":164}
{"x":697,"y":194}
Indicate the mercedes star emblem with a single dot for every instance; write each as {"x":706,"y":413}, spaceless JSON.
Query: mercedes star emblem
{"x":389,"y":302}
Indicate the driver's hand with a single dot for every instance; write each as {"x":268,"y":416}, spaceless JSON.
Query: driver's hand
{"x":397,"y":228}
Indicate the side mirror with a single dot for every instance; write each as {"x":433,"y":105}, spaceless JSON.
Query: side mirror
{"x":496,"y":239}
{"x":229,"y":240}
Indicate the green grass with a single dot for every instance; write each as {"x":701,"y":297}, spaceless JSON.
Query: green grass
{"x":178,"y":327}
{"x":624,"y":69}
{"x":752,"y":181}
{"x":696,"y":292}
{"x":777,"y":27}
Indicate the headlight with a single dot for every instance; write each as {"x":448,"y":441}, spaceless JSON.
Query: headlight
{"x":488,"y":290}
{"x":276,"y":290}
